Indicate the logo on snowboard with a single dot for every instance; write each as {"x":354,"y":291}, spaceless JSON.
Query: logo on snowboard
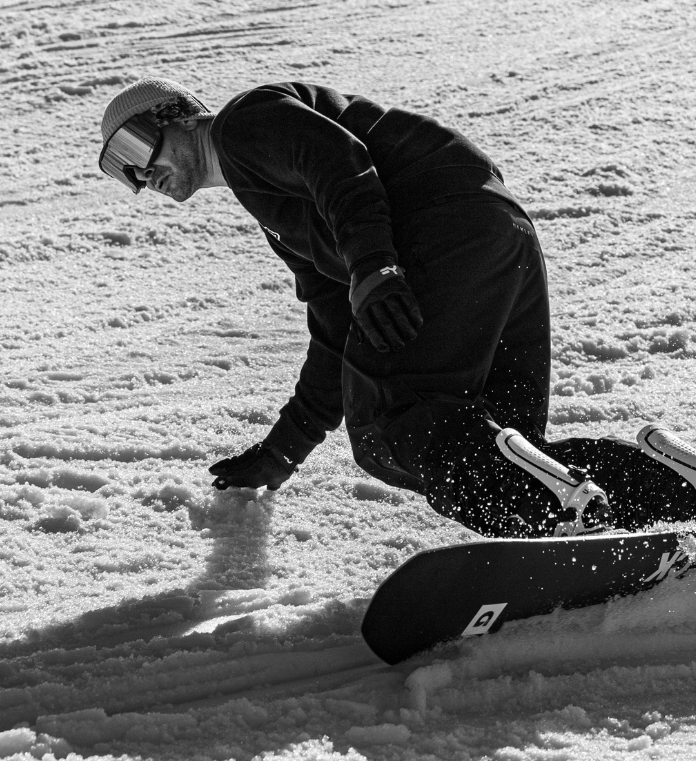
{"x":666,"y":565}
{"x":484,"y":619}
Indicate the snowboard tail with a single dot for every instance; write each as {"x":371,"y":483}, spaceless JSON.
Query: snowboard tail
{"x":461,"y":590}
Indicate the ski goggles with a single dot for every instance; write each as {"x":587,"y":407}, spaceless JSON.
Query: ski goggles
{"x":134,"y":145}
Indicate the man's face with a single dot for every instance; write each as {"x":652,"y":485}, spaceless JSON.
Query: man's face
{"x":179,"y":169}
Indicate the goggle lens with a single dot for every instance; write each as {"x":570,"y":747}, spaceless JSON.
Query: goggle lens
{"x":133,"y":146}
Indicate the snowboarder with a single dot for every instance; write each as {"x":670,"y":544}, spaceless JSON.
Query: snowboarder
{"x":427,"y":306}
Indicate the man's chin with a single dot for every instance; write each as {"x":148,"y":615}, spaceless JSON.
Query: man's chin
{"x":180,"y":195}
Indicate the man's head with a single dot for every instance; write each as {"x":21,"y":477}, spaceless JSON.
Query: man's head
{"x":149,"y":131}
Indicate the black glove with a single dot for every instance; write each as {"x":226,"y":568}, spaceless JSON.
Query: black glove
{"x":260,"y":465}
{"x":383,"y":305}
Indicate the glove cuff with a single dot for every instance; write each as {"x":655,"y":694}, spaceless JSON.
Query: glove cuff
{"x":286,"y":463}
{"x":359,"y":290}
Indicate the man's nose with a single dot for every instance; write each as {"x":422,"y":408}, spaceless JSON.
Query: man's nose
{"x":144,"y":174}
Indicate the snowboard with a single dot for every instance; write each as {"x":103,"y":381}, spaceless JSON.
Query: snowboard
{"x":469,"y":589}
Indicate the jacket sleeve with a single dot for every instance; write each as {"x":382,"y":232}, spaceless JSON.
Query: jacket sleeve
{"x":317,"y":403}
{"x":289,"y":148}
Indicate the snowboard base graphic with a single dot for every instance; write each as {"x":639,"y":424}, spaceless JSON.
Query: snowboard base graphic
{"x":462,"y":590}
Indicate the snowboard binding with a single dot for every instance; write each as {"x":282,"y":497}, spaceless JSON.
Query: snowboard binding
{"x":584,"y":507}
{"x":666,"y":447}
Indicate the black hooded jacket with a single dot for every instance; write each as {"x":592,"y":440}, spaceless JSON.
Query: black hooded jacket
{"x":328,"y":177}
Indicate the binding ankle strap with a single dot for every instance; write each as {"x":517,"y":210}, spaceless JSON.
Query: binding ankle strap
{"x":666,"y":447}
{"x":574,"y":493}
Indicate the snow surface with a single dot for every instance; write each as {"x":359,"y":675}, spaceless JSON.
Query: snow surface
{"x":144,"y":615}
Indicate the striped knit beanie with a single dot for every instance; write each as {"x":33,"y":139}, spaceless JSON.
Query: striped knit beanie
{"x":167,"y":100}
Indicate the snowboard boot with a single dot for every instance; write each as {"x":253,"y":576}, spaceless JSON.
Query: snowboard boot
{"x":499,"y":484}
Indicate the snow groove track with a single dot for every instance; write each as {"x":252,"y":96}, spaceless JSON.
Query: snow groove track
{"x":64,"y":681}
{"x":167,"y":651}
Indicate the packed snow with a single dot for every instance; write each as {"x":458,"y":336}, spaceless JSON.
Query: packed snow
{"x":147,"y":616}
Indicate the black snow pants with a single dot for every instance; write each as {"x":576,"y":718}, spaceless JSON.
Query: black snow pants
{"x":476,"y":267}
